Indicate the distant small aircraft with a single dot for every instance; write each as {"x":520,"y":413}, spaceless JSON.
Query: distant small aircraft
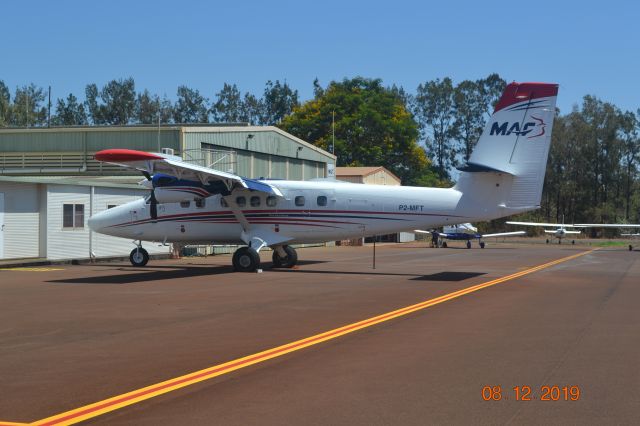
{"x":560,"y":232}
{"x":466,"y":232}
{"x":614,"y":225}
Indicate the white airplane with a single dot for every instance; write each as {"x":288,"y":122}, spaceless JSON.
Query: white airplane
{"x":191,"y":204}
{"x":631,"y":235}
{"x":560,"y":232}
{"x":466,"y":232}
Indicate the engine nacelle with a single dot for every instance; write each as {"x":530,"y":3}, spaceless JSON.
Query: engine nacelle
{"x":169,"y":189}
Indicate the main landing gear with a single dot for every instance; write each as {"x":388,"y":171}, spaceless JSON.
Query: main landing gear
{"x":247,"y":259}
{"x":139,"y":256}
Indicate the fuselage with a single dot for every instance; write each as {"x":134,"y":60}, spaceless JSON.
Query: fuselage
{"x":310,"y":211}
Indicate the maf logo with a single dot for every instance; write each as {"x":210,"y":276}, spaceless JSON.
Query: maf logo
{"x":505,"y":130}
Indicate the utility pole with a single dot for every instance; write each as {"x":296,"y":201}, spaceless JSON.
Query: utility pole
{"x":159,"y":115}
{"x":49,"y":113}
{"x":333,"y":132}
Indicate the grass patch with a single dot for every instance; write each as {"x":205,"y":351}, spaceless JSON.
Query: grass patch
{"x":611,"y":243}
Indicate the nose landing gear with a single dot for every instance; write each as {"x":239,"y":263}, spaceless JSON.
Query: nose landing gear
{"x":284,"y":257}
{"x":139,"y":256}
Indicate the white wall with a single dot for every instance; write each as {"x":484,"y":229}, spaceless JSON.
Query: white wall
{"x":21,"y":219}
{"x":66,"y":243}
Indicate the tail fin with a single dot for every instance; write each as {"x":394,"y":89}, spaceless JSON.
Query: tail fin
{"x":516,"y":142}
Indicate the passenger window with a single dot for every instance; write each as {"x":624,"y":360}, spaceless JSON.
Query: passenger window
{"x":185,"y":204}
{"x":200,"y":202}
{"x":223,"y":202}
{"x":299,"y":200}
{"x":322,"y":200}
{"x":272,"y":201}
{"x":255,"y":201}
{"x":241,"y":201}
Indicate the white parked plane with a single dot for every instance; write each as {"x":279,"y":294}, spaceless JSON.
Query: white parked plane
{"x":190,"y":204}
{"x":560,"y":232}
{"x":466,"y":232}
{"x":631,"y":235}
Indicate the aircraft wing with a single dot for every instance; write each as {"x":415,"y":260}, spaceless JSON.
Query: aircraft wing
{"x":504,"y":234}
{"x":150,"y":163}
{"x":572,"y":232}
{"x":558,"y":225}
{"x":421,"y":231}
{"x":607,"y":225}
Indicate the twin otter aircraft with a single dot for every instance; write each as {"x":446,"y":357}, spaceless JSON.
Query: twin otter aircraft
{"x":192,"y":204}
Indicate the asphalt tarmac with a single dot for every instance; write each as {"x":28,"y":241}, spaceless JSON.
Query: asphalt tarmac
{"x":73,"y":336}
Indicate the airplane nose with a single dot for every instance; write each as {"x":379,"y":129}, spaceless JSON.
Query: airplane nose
{"x":97,"y":222}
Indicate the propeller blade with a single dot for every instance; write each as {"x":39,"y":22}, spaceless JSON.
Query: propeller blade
{"x":153,"y":205}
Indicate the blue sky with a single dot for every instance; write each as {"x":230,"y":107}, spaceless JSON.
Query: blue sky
{"x":587,"y":47}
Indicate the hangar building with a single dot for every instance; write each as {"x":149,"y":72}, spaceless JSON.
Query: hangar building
{"x":50,"y":184}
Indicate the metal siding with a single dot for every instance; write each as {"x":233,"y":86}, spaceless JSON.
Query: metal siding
{"x":310,"y":170}
{"x":295,"y":169}
{"x":140,"y":140}
{"x":106,"y":245}
{"x":21,"y":219}
{"x":244,"y":163}
{"x":266,"y":142}
{"x":260,"y":165}
{"x":278,"y":167}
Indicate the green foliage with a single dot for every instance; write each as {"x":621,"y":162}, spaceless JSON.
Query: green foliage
{"x":69,"y":112}
{"x":114,"y":104}
{"x":279,"y":101}
{"x":28,"y":109}
{"x":372,"y":127}
{"x":191,"y":106}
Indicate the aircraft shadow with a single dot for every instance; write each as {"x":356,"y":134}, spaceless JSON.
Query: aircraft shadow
{"x":440,"y":276}
{"x":165,"y":273}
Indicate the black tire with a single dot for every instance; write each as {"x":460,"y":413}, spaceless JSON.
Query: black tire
{"x":246,"y":259}
{"x":444,"y":244}
{"x":547,"y":241}
{"x":287,"y":262}
{"x":482,"y":244}
{"x":630,"y":247}
{"x":573,"y":241}
{"x":139,"y":257}
{"x":468,"y":244}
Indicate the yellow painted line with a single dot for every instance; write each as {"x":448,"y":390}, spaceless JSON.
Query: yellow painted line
{"x":30,"y":269}
{"x":12,"y":423}
{"x":133,"y":397}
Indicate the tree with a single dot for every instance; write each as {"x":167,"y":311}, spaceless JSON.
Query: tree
{"x":372,"y":127}
{"x":69,"y":112}
{"x":27,"y":107}
{"x":191,"y":106}
{"x":252,"y":109}
{"x":279,"y":101}
{"x":491,"y":89}
{"x":469,"y":106}
{"x":114,"y":104}
{"x":5,"y":105}
{"x":629,"y":126}
{"x":228,"y":107}
{"x":434,"y":110}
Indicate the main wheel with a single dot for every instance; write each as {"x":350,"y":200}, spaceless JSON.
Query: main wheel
{"x":139,"y":257}
{"x":482,"y":244}
{"x":468,"y":244}
{"x":547,"y":241}
{"x":444,"y":244}
{"x":630,"y":247}
{"x":289,"y":261}
{"x":246,"y":259}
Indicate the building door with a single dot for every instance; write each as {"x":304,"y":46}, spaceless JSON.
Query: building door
{"x":2,"y":225}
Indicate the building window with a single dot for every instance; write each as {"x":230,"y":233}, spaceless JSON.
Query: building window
{"x":322,"y":201}
{"x":255,"y":201}
{"x":299,"y":200}
{"x":199,"y":202}
{"x":272,"y":201}
{"x":73,"y":215}
{"x":185,"y":204}
{"x":111,"y":206}
{"x":241,"y":201}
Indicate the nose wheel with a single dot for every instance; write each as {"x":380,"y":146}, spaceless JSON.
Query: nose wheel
{"x":139,"y":257}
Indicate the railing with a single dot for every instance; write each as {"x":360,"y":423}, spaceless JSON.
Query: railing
{"x":26,"y":162}
{"x":226,"y":161}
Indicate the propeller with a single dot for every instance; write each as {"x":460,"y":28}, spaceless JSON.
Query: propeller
{"x":153,"y":201}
